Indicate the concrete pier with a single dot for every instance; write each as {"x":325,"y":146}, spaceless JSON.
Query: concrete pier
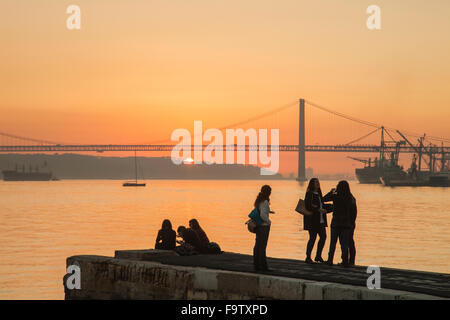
{"x":156,"y":274}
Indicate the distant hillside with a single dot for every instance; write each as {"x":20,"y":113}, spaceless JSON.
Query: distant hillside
{"x":74,"y":166}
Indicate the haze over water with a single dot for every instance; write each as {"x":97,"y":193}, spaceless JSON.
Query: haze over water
{"x":43,"y":223}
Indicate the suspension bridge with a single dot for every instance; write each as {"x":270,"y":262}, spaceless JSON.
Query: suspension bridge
{"x":19,"y":144}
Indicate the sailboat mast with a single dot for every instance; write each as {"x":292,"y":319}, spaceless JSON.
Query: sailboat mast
{"x":135,"y":164}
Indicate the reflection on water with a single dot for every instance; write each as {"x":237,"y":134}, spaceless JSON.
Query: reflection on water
{"x":42,"y":223}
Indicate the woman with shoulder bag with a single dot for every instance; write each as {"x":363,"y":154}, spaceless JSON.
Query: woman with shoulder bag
{"x":317,"y":222}
{"x":262,"y":229}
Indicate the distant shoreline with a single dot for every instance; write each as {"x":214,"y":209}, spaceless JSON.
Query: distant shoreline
{"x":89,"y":167}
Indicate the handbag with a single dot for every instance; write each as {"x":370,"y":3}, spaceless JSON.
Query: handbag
{"x":301,"y":208}
{"x":255,"y":219}
{"x":251,"y":225}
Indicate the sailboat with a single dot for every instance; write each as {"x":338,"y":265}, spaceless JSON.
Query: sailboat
{"x":135,"y":182}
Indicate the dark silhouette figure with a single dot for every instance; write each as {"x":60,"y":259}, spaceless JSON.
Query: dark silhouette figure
{"x":190,"y":241}
{"x":203,"y":238}
{"x":316,"y":223}
{"x":206,"y":246}
{"x":351,"y":240}
{"x":262,"y":230}
{"x":342,"y":224}
{"x":166,"y":239}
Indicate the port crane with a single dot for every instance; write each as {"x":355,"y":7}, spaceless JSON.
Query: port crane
{"x":418,"y":150}
{"x":366,"y":162}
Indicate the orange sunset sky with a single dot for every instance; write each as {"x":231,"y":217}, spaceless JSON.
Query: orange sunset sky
{"x":137,"y":70}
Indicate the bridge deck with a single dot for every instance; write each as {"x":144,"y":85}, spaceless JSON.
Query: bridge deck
{"x":430,"y":283}
{"x":246,"y":148}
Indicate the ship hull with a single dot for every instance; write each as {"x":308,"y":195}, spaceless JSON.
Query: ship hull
{"x":368,"y":175}
{"x":429,"y":181}
{"x":132,"y":184}
{"x":372,"y":175}
{"x":403,"y":183}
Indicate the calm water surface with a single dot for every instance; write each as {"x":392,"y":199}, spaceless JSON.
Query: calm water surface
{"x":42,"y":223}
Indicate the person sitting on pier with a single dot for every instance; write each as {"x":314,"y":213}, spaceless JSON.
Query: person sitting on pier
{"x":317,"y":222}
{"x":344,"y":216}
{"x":166,"y":237}
{"x":190,"y":244}
{"x":194,"y":225}
{"x":207,"y":246}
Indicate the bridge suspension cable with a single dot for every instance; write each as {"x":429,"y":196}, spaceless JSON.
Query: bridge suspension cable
{"x":255,"y":118}
{"x":363,"y":137}
{"x":342,"y":115}
{"x":13,"y":136}
{"x":372,"y":124}
{"x":263,"y":115}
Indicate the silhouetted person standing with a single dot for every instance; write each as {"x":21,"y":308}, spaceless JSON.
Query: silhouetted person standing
{"x":351,"y":240}
{"x":166,"y":239}
{"x":344,"y":216}
{"x":317,"y":222}
{"x":262,"y":230}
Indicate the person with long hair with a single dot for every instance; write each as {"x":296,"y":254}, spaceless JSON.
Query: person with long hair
{"x":351,"y":240}
{"x":207,"y":246}
{"x":166,"y":239}
{"x":262,"y":203}
{"x":317,"y":222}
{"x":343,"y":222}
{"x":190,"y":241}
{"x":194,"y":225}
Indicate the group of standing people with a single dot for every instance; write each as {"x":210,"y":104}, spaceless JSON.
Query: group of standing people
{"x":340,"y":202}
{"x":343,"y":221}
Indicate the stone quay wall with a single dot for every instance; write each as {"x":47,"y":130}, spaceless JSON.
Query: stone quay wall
{"x":128,"y":277}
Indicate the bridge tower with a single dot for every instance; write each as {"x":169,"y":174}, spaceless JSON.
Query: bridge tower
{"x":301,"y":173}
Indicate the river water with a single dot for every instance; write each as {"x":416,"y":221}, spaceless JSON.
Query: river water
{"x":42,"y":223}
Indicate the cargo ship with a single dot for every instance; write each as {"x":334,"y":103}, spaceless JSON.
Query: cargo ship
{"x":373,"y":171}
{"x":436,"y":173}
{"x":22,"y":175}
{"x":418,"y":178}
{"x":385,"y":165}
{"x":434,"y":180}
